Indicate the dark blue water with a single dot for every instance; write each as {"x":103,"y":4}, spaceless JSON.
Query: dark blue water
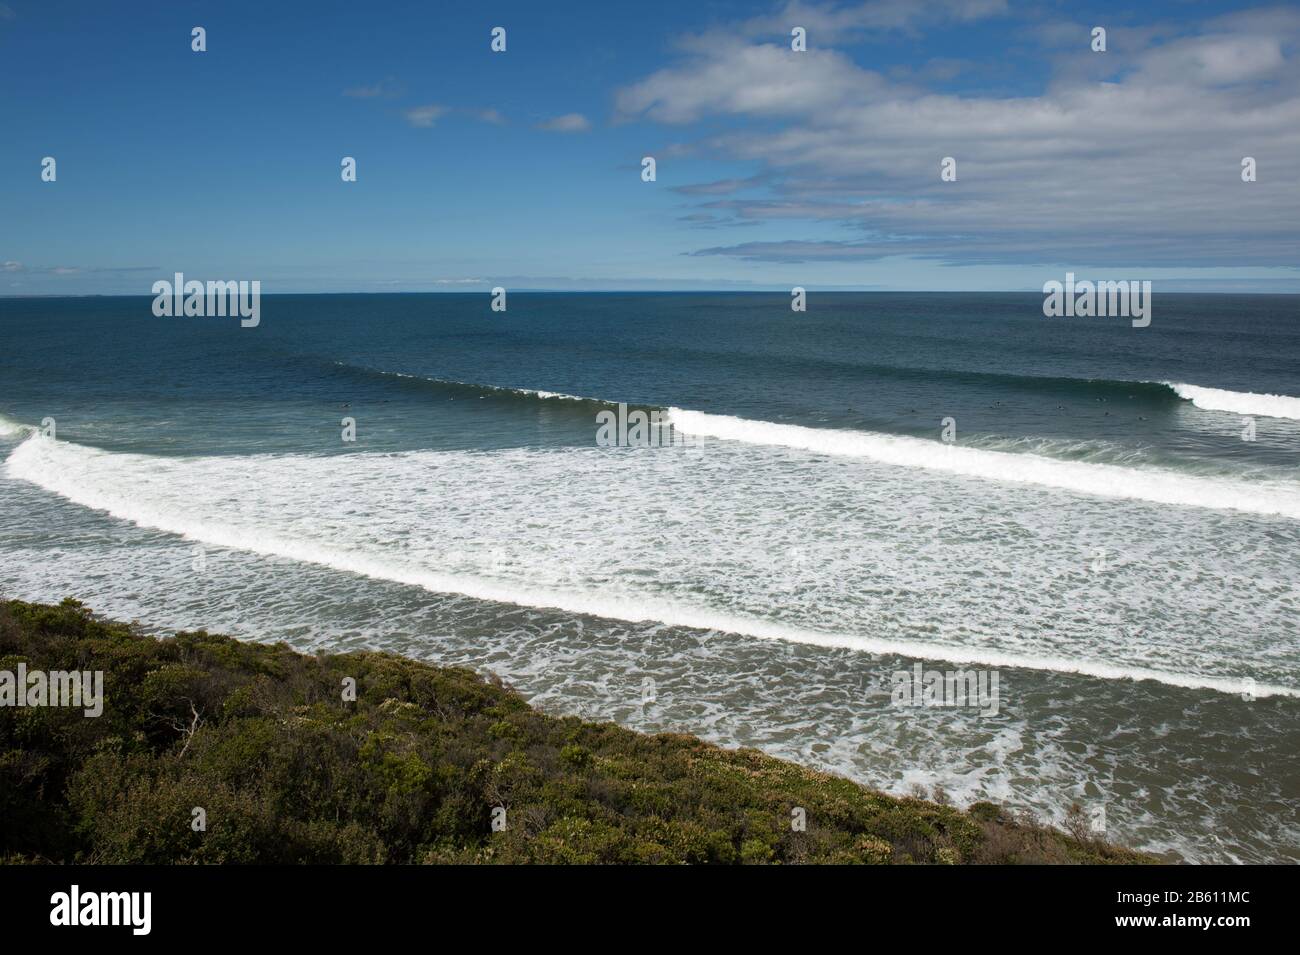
{"x":895,"y":363}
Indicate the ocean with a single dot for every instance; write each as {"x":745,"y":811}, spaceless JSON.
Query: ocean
{"x":1106,"y":517}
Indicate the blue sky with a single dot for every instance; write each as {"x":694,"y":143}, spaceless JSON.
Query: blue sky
{"x":522,"y":169}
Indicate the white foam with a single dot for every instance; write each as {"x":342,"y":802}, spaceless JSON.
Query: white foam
{"x":559,"y":395}
{"x":589,"y":541}
{"x":1238,"y":402}
{"x":1101,"y":480}
{"x":9,"y":428}
{"x":526,"y":392}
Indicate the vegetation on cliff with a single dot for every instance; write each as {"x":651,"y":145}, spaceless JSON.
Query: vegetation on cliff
{"x":284,"y":769}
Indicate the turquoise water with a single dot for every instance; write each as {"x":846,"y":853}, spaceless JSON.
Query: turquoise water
{"x":1099,"y":532}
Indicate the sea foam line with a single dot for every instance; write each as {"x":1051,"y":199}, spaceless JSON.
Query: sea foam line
{"x":1238,"y":402}
{"x":69,"y":470}
{"x":488,"y":389}
{"x":1102,"y":480}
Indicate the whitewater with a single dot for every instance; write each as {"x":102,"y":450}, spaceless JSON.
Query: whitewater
{"x":1102,"y":480}
{"x":439,"y":521}
{"x":1237,"y":402}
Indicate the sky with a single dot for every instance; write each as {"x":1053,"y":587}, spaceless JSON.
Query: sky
{"x":818,"y":168}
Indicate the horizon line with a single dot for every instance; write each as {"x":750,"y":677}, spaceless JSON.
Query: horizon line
{"x":840,"y":290}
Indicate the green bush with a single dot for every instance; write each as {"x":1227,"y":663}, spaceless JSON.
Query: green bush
{"x":285,"y":770}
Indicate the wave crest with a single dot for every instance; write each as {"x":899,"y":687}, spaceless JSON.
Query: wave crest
{"x":9,"y":428}
{"x":1238,"y":402}
{"x":1102,"y":480}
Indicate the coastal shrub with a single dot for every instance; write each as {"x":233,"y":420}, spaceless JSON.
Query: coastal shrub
{"x":286,"y":770}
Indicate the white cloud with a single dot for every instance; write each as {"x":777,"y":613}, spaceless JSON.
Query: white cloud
{"x":568,"y":123}
{"x":424,"y":116}
{"x":728,"y":76}
{"x":386,"y":88}
{"x":1120,"y":158}
{"x":721,"y":187}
